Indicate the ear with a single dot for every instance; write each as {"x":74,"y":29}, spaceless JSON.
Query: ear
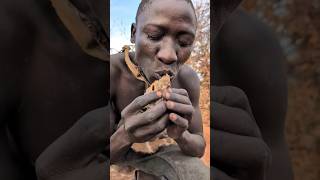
{"x":221,"y":10}
{"x":133,"y":33}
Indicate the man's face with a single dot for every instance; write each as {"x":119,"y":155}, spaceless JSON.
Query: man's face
{"x":163,"y":37}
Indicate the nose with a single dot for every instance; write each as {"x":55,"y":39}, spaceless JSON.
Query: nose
{"x":167,"y":52}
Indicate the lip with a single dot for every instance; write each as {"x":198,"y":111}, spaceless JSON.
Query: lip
{"x":158,"y":74}
{"x":164,"y":72}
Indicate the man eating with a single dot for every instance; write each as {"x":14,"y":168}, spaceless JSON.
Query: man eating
{"x":163,"y":35}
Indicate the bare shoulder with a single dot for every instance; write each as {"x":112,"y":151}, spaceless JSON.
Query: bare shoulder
{"x":115,"y":61}
{"x":188,"y":79}
{"x":115,"y":71}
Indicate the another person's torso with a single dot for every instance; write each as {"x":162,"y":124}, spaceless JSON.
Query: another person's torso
{"x":57,"y":82}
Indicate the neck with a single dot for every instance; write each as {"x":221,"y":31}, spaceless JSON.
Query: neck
{"x":134,"y":83}
{"x":133,"y":68}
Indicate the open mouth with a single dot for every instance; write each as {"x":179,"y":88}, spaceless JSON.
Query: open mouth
{"x":158,"y":74}
{"x":164,"y":72}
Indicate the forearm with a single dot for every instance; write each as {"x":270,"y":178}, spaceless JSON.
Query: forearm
{"x":119,"y":145}
{"x":191,"y":144}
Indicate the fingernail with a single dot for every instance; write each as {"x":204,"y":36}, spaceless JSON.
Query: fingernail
{"x":173,"y":117}
{"x":167,"y":95}
{"x":159,"y":93}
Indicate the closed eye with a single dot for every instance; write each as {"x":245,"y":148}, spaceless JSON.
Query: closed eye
{"x":153,"y":32}
{"x":185,"y":40}
{"x":154,"y":37}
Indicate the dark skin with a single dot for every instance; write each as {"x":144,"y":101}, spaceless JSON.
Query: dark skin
{"x":248,"y":121}
{"x":47,"y":84}
{"x":163,"y":38}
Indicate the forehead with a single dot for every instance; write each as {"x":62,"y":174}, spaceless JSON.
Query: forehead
{"x":168,"y":11}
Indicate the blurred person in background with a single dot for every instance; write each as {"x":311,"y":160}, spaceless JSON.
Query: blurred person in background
{"x":53,"y":71}
{"x":248,"y":98}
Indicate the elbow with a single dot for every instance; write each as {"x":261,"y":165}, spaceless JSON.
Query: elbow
{"x":201,"y":150}
{"x":195,"y":153}
{"x":198,"y":151}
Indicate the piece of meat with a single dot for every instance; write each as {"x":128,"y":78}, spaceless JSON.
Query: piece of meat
{"x":153,"y":145}
{"x":160,"y":84}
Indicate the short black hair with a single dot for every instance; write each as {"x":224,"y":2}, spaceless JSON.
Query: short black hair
{"x":144,"y":3}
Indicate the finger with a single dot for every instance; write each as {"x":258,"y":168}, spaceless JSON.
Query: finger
{"x":230,"y":96}
{"x":217,"y":174}
{"x":146,"y":117}
{"x":177,"y":98}
{"x":140,"y":102}
{"x":233,"y":120}
{"x":152,"y":129}
{"x":179,"y":91}
{"x":179,"y":121}
{"x":180,"y":108}
{"x":239,"y":151}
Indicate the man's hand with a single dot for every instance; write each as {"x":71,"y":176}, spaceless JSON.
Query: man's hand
{"x":80,"y":153}
{"x":185,"y":125}
{"x":140,"y":125}
{"x":182,"y":111}
{"x":239,"y":151}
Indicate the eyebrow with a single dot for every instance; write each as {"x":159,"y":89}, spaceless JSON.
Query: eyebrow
{"x":161,"y":27}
